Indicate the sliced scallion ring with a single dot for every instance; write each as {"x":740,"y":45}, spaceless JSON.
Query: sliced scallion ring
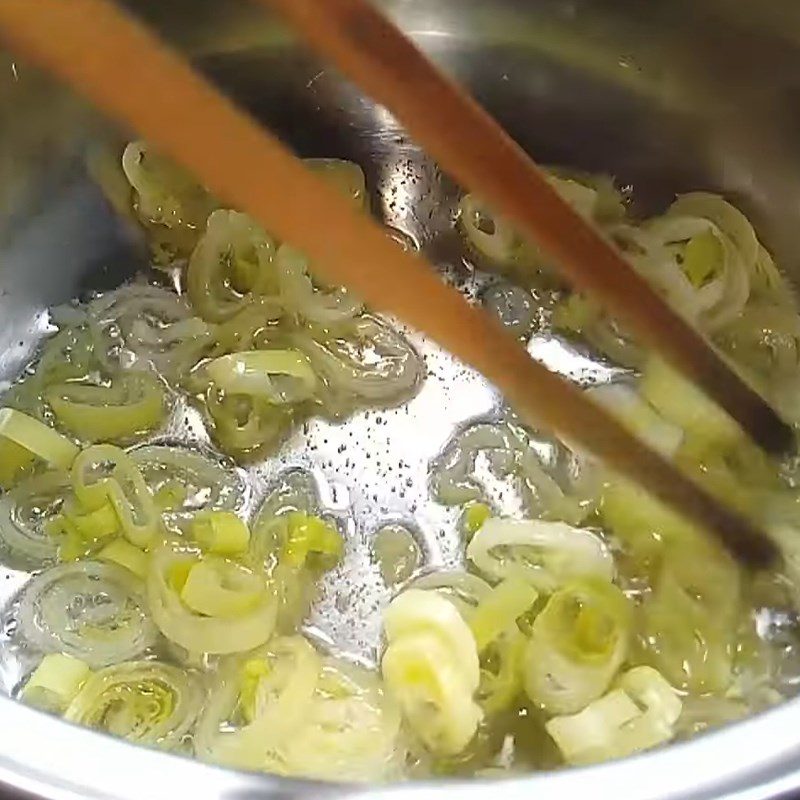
{"x":168,"y":201}
{"x":577,"y":643}
{"x":195,"y":482}
{"x":232,"y":627}
{"x":55,"y":682}
{"x":231,"y":267}
{"x":258,"y":703}
{"x":545,"y":554}
{"x":130,"y":406}
{"x":25,"y":511}
{"x":92,"y":611}
{"x":147,"y":702}
{"x":105,"y":474}
{"x":372,"y":363}
{"x":299,"y":295}
{"x":432,"y":670}
{"x":277,"y":376}
{"x":346,"y":176}
{"x":37,"y":438}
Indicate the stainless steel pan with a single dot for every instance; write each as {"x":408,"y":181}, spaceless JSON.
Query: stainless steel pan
{"x":666,"y":96}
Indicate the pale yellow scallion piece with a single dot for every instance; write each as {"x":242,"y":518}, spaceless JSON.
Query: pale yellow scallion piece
{"x":220,"y":532}
{"x":37,"y":438}
{"x":72,"y":546}
{"x":436,"y":700}
{"x":15,"y":463}
{"x":499,"y":610}
{"x":431,"y":668}
{"x":55,"y":682}
{"x":638,"y":714}
{"x":178,"y":573}
{"x":576,"y":645}
{"x":703,"y":258}
{"x":680,"y":402}
{"x":310,"y":534}
{"x":474,"y":516}
{"x":417,"y":610}
{"x":126,"y":555}
{"x":345,"y":176}
{"x":253,"y":670}
{"x":119,"y":483}
{"x":218,"y":588}
{"x":396,"y":553}
{"x":132,"y":404}
{"x":96,"y":524}
{"x":279,"y":376}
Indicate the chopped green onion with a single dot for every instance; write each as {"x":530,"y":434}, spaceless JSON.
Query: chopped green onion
{"x":93,"y":525}
{"x":310,"y":534}
{"x":373,"y":365}
{"x":417,"y":610}
{"x":141,"y":701}
{"x":640,"y":521}
{"x":298,"y":294}
{"x":220,"y":532}
{"x":28,"y":514}
{"x":186,"y":482}
{"x":228,"y":611}
{"x":132,"y":405}
{"x":231,"y":268}
{"x":727,"y":218}
{"x":71,"y":546}
{"x":502,"y":672}
{"x":287,"y":711}
{"x":273,"y":689}
{"x":168,"y":202}
{"x":90,"y":610}
{"x":688,"y":625}
{"x":463,"y":589}
{"x":641,"y":418}
{"x":105,"y":474}
{"x":396,"y":552}
{"x":500,"y":609}
{"x":365,"y":744}
{"x":55,"y":682}
{"x":243,"y":425}
{"x":260,"y":373}
{"x":545,"y":554}
{"x":438,"y":705}
{"x":431,"y":667}
{"x":577,"y":643}
{"x":16,"y":463}
{"x":683,"y":404}
{"x":126,"y":555}
{"x":702,"y":258}
{"x":575,"y":314}
{"x":345,"y":176}
{"x":18,"y":430}
{"x":497,"y":240}
{"x":588,"y":736}
{"x":170,"y":496}
{"x":641,"y":713}
{"x":512,"y":456}
{"x":475,"y":515}
{"x":219,"y":588}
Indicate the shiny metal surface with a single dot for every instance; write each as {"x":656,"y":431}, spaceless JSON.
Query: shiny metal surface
{"x":667,"y":96}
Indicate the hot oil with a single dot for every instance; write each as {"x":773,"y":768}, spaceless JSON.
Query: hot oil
{"x":372,"y":472}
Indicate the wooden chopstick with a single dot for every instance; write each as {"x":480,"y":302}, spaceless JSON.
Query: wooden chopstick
{"x":470,"y":145}
{"x":143,"y":84}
